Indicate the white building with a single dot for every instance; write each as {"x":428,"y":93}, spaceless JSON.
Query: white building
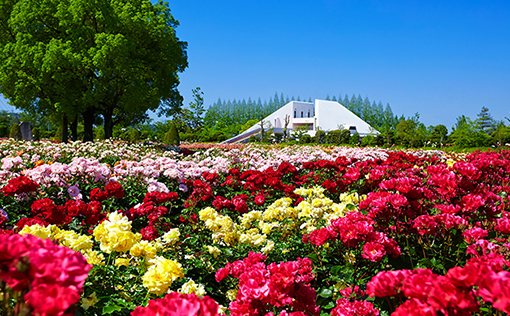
{"x":320,"y":115}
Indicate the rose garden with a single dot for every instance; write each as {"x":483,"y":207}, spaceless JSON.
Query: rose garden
{"x":133,"y":229}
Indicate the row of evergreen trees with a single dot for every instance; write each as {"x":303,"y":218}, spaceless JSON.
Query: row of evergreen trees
{"x":232,"y":116}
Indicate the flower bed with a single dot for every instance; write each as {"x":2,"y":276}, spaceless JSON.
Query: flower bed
{"x":263,"y":230}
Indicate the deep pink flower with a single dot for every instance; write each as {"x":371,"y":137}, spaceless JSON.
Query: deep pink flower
{"x":149,"y":232}
{"x":345,"y":307}
{"x":176,"y":304}
{"x":51,"y":299}
{"x":474,"y":234}
{"x":260,"y":199}
{"x":414,"y":307}
{"x":98,"y":195}
{"x":387,"y":283}
{"x":373,"y":251}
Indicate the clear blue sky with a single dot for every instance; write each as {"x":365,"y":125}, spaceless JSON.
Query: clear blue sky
{"x":441,"y":59}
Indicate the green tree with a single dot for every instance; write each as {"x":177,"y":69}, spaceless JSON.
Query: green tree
{"x":172,"y":136}
{"x":438,"y":135}
{"x":485,"y":122}
{"x":36,"y":134}
{"x":197,"y":108}
{"x":320,"y":137}
{"x":5,"y":123}
{"x":15,"y":132}
{"x":113,"y":58}
{"x":466,"y":134}
{"x":410,"y":132}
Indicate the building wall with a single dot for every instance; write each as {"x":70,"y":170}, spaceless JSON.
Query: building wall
{"x":331,"y":115}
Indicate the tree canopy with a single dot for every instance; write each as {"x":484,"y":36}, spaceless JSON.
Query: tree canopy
{"x":115,"y":58}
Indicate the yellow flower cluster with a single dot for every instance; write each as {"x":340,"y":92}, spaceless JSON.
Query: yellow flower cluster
{"x":252,"y":237}
{"x":280,"y":210}
{"x":144,"y":248}
{"x":66,"y":238}
{"x":74,"y":241}
{"x":43,"y":232}
{"x":222,"y":226}
{"x":161,"y":274}
{"x":214,"y":251}
{"x":70,"y":239}
{"x":94,"y":257}
{"x":172,"y":236}
{"x":115,"y":234}
{"x":192,"y":287}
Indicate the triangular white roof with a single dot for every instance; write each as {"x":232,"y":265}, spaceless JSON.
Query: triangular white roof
{"x":322,"y":114}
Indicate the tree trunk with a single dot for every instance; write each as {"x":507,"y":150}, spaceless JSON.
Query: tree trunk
{"x":88,"y":124}
{"x":108,"y":124}
{"x":65,"y":134}
{"x":74,"y":128}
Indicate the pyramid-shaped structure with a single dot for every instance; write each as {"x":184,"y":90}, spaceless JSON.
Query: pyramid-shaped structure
{"x":321,"y":115}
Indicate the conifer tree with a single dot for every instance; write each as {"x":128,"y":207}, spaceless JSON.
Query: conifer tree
{"x":15,"y":132}
{"x":485,"y":122}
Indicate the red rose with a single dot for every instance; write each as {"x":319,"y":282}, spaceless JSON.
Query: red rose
{"x":260,"y":199}
{"x":98,"y":195}
{"x":19,"y":185}
{"x":114,"y":189}
{"x":149,"y":233}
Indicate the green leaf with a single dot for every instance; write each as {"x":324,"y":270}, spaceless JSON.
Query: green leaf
{"x":336,"y":269}
{"x":326,"y":293}
{"x":350,"y":206}
{"x":313,"y":257}
{"x":111,"y":307}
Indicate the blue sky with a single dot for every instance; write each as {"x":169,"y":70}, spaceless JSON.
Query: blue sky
{"x":441,"y":59}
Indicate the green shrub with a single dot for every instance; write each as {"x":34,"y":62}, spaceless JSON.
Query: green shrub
{"x":134,"y":135}
{"x":58,"y":133}
{"x":306,"y":139}
{"x":172,"y":136}
{"x":320,"y":137}
{"x":15,"y":132}
{"x":36,"y":135}
{"x":278,"y":137}
{"x":99,"y":132}
{"x":334,"y":137}
{"x":354,"y":140}
{"x":345,"y":136}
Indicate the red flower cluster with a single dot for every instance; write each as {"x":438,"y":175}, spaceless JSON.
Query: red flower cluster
{"x":261,"y":288}
{"x":19,"y":185}
{"x":452,"y":294}
{"x":175,"y":303}
{"x":52,"y":276}
{"x":112,"y":189}
{"x":46,"y":210}
{"x":160,"y":197}
{"x":352,"y":230}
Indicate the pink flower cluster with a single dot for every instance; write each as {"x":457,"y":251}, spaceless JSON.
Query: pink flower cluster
{"x":177,"y":304}
{"x":52,"y":276}
{"x":262,"y":288}
{"x":345,"y":307}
